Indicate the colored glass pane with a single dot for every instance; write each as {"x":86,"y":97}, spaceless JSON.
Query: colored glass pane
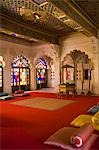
{"x":41,"y":64}
{"x":20,"y":61}
{"x":41,"y":67}
{"x":41,"y":73}
{"x":23,"y":76}
{"x":20,"y":76}
{"x":1,"y":82}
{"x":2,"y":64}
{"x":16,"y":76}
{"x":20,"y":71}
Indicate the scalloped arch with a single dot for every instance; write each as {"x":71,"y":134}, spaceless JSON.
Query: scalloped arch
{"x":76,"y":56}
{"x":49,"y":60}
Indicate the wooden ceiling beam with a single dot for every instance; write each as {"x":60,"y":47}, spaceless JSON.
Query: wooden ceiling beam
{"x":18,"y":27}
{"x":71,"y":10}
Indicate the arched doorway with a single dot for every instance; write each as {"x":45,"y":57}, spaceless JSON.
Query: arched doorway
{"x":2,"y":64}
{"x":68,"y":70}
{"x":41,"y":74}
{"x":20,"y":73}
{"x":82,"y":70}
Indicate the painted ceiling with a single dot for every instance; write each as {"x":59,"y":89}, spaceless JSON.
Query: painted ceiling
{"x":48,"y":20}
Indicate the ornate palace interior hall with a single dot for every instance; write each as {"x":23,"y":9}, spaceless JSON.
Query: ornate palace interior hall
{"x":49,"y":72}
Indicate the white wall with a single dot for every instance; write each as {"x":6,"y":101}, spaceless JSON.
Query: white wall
{"x":9,"y":50}
{"x":51,"y":51}
{"x":78,"y":41}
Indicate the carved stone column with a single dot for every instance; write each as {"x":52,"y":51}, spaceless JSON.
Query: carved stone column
{"x":33,"y":78}
{"x":7,"y":74}
{"x":57,"y":73}
{"x":95,"y":43}
{"x":56,"y":55}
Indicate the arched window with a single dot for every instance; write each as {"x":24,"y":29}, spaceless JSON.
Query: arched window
{"x":20,"y":61}
{"x":20,"y":73}
{"x":2,"y":64}
{"x":41,"y":73}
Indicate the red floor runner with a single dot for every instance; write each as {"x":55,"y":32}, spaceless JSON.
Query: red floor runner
{"x":27,"y":128}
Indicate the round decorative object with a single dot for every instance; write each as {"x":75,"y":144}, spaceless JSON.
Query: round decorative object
{"x":77,"y":141}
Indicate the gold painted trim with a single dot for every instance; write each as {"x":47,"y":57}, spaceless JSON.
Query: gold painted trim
{"x":22,"y":25}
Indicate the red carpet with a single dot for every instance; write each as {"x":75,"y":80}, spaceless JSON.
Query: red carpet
{"x":27,"y":128}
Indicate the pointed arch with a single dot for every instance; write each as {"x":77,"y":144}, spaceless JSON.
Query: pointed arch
{"x":41,"y":64}
{"x":20,"y":61}
{"x":20,"y":73}
{"x":43,"y":71}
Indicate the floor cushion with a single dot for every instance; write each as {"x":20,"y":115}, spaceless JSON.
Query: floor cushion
{"x":82,"y":134}
{"x":19,"y":91}
{"x":3,"y":94}
{"x":61,"y":138}
{"x":81,"y":120}
{"x":21,"y":94}
{"x":95,"y":121}
{"x":8,"y":97}
{"x":94,"y":109}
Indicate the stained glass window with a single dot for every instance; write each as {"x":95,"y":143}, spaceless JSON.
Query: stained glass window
{"x":41,"y":64}
{"x":15,"y":76}
{"x":20,"y":61}
{"x":2,"y":64}
{"x":20,"y":73}
{"x":24,"y":76}
{"x":1,"y":84}
{"x":41,"y":73}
